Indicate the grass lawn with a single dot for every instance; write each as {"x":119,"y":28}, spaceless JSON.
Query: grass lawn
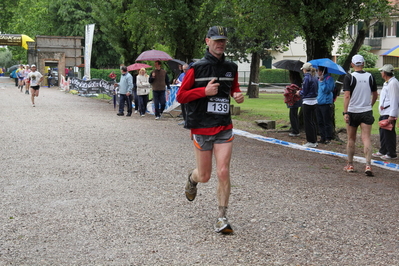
{"x":271,"y":106}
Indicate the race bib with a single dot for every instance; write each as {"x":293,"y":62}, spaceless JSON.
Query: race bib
{"x":218,"y":106}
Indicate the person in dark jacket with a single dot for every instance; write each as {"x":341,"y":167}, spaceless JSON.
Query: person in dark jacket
{"x":206,"y":90}
{"x":309,"y":102}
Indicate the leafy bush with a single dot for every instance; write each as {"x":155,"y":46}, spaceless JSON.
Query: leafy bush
{"x":103,"y":73}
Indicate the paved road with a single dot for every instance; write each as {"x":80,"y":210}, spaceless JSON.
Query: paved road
{"x":82,"y":186}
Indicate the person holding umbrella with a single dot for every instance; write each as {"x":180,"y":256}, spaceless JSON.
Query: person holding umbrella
{"x":159,"y":81}
{"x":324,"y":102}
{"x":360,"y":94}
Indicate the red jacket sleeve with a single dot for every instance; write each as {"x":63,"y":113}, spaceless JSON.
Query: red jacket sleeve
{"x":186,"y":94}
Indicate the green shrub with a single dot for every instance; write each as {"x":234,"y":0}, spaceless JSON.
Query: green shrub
{"x":103,"y":73}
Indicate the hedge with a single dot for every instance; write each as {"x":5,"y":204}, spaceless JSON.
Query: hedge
{"x":265,"y":75}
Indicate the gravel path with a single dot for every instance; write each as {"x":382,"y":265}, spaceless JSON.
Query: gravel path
{"x":82,"y":186}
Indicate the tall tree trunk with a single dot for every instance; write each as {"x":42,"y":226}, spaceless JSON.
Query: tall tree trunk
{"x":253,"y":85}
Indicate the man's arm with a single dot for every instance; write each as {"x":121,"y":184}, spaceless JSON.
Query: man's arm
{"x":129,"y":83}
{"x":394,"y":100}
{"x":151,"y":78}
{"x":186,"y":92}
{"x":167,"y":81}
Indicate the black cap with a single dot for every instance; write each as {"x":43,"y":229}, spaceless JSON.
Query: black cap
{"x":217,"y":33}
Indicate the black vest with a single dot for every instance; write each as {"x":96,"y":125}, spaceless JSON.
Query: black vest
{"x":205,"y":70}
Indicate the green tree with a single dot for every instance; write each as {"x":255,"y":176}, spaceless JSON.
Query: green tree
{"x":256,"y":30}
{"x":369,"y":58}
{"x":6,"y":13}
{"x":6,"y":58}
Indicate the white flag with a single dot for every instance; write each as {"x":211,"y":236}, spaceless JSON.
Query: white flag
{"x":88,"y":48}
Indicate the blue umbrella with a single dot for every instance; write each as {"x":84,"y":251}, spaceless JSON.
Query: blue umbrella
{"x":333,"y":68}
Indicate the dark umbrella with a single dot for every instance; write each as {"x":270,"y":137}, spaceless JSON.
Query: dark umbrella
{"x":154,"y":55}
{"x":293,"y":65}
{"x":174,"y":65}
{"x":12,"y":68}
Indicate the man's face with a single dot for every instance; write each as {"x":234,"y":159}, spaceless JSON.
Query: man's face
{"x":216,"y":47}
{"x":33,"y":69}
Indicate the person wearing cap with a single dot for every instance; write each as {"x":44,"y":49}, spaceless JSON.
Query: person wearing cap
{"x":309,"y":102}
{"x":360,"y":94}
{"x":388,"y":108}
{"x":206,"y":90}
{"x":35,"y":79}
{"x":125,"y":92}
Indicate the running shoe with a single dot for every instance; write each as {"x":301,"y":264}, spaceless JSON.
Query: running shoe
{"x":33,"y":105}
{"x":293,"y":135}
{"x":310,"y":145}
{"x":223,"y":226}
{"x":368,"y":171}
{"x":387,"y":157}
{"x":377,"y":154}
{"x":191,"y":189}
{"x":349,"y":168}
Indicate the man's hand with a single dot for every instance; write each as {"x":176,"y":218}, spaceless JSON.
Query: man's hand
{"x":212,"y":88}
{"x":391,"y":119}
{"x":238,"y":97}
{"x":346,"y":118}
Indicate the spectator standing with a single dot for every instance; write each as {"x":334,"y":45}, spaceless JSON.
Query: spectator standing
{"x":324,"y":103}
{"x":360,"y":94}
{"x":179,"y":81}
{"x":35,"y":79}
{"x":293,"y":101}
{"x":159,"y":81}
{"x":70,"y":73}
{"x":388,"y":108}
{"x":135,"y":98}
{"x":112,"y":76}
{"x":143,"y":89}
{"x":125,"y":92}
{"x":207,"y":94}
{"x":309,"y":102}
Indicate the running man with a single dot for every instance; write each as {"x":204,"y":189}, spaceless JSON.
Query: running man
{"x":206,"y":91}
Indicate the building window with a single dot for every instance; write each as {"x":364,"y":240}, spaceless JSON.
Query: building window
{"x":378,"y":30}
{"x":391,"y":30}
{"x":393,"y":60}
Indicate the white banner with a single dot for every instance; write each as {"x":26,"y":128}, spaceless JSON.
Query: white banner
{"x":88,"y":48}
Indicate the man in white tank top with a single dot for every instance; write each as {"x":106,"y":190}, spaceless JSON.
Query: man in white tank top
{"x":360,"y":94}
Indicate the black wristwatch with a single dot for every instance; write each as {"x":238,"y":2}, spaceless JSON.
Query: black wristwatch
{"x":344,"y":113}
